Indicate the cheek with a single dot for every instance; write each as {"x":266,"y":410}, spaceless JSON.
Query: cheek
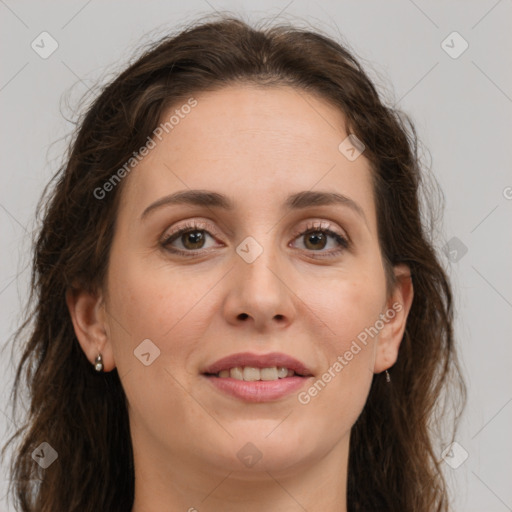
{"x":167,"y":309}
{"x":350,"y":308}
{"x":171,"y":307}
{"x":153,"y":302}
{"x":346,"y":305}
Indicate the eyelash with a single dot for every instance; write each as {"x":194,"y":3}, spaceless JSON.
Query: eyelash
{"x":311,"y":228}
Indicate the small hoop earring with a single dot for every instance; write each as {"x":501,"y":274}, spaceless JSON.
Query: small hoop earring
{"x":98,"y":363}
{"x":388,"y":377}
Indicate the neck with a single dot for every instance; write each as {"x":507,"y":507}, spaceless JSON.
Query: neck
{"x":183,"y":484}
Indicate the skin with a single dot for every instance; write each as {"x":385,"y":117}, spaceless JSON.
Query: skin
{"x":257,"y":146}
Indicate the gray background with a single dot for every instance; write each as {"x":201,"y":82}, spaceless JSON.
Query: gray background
{"x":461,"y":108}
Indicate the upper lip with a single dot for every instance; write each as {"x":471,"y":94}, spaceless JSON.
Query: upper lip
{"x":258,"y":361}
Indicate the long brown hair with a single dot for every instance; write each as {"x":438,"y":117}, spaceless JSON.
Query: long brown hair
{"x":394,"y":461}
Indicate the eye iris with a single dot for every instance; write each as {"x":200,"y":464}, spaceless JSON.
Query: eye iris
{"x":196,"y":237}
{"x":316,"y":235}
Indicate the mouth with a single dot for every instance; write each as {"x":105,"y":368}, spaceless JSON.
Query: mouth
{"x":250,"y":367}
{"x":257,"y":378}
{"x":252,"y":373}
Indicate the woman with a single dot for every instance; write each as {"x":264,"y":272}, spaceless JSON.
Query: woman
{"x":236,"y":303}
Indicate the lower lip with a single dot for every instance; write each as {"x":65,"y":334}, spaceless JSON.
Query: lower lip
{"x":259,"y":390}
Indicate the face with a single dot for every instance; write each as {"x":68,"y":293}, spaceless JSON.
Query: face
{"x":267,"y":275}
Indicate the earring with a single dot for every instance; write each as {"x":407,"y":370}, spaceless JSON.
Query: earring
{"x":388,"y":377}
{"x":98,"y":363}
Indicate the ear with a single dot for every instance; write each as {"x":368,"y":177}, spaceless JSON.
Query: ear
{"x":395,"y":319}
{"x":89,"y":319}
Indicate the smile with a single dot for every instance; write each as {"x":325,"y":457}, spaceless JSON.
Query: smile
{"x":251,"y":374}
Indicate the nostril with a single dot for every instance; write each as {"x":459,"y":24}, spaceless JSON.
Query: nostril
{"x":243,"y":316}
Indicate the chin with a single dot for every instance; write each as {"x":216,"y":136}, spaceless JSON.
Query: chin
{"x":251,"y":455}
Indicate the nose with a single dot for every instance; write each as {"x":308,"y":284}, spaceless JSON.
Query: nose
{"x":260,"y":292}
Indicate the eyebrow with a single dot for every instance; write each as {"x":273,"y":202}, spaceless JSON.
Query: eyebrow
{"x":297,"y":201}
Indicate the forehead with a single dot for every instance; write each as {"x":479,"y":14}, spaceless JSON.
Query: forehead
{"x":243,"y":117}
{"x":251,"y":142}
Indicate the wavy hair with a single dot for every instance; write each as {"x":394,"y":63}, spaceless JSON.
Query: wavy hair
{"x":394,"y":462}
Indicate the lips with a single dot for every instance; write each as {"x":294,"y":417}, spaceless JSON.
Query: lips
{"x":257,"y":378}
{"x":249,"y":359}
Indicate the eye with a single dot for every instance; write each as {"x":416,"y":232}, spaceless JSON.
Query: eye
{"x":316,"y":238}
{"x":192,"y":238}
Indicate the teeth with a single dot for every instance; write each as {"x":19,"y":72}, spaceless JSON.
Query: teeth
{"x":236,"y":373}
{"x":251,"y":374}
{"x":282,"y":372}
{"x":270,"y":373}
